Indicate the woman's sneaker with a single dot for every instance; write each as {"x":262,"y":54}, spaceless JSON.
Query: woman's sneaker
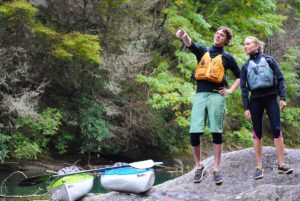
{"x":199,"y":174}
{"x":258,"y":173}
{"x":285,"y":169}
{"x":218,"y":178}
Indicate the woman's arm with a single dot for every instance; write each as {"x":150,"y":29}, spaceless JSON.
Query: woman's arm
{"x":280,"y":78}
{"x":244,"y":88}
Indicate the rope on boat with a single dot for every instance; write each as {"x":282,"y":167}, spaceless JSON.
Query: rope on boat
{"x":3,"y":185}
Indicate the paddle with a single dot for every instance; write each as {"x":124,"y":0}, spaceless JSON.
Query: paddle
{"x":38,"y":179}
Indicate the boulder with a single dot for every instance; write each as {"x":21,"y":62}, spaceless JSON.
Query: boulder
{"x":237,"y":169}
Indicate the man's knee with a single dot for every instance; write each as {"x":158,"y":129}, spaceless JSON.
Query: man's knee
{"x":217,"y":138}
{"x":195,"y":139}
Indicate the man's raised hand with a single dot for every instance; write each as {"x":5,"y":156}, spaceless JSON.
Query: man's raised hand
{"x":180,"y":33}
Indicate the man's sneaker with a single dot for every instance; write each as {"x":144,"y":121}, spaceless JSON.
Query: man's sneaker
{"x":258,"y":173}
{"x":199,"y":174}
{"x":285,"y":169}
{"x":217,"y":177}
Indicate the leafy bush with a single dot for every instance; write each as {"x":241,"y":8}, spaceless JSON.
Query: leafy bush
{"x":94,"y":127}
{"x":288,"y":67}
{"x":37,"y":132}
{"x":241,"y":138}
{"x":63,"y":141}
{"x":290,"y":118}
{"x":25,"y":148}
{"x":169,"y":92}
{"x":4,"y":143}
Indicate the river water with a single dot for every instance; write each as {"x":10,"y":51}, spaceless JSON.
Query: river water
{"x":9,"y":186}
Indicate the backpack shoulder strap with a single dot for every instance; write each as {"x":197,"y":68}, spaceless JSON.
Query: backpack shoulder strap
{"x":247,"y":62}
{"x":206,"y":54}
{"x":205,"y":57}
{"x":266,"y":56}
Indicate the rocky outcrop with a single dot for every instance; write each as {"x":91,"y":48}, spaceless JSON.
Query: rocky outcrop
{"x":237,"y":170}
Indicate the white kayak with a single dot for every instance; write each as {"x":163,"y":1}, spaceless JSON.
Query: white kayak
{"x":128,"y":179}
{"x":71,"y":187}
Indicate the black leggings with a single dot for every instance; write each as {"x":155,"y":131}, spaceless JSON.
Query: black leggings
{"x":195,"y":138}
{"x":257,"y":107}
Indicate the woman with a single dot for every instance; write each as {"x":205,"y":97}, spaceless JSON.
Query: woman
{"x":262,"y":77}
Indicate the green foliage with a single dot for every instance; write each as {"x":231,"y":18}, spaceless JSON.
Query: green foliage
{"x":84,"y":47}
{"x":5,"y":140}
{"x":161,"y":136}
{"x":62,"y":53}
{"x":50,"y":121}
{"x":112,"y":4}
{"x":24,"y":148}
{"x":57,"y":52}
{"x":47,"y":124}
{"x":67,"y":57}
{"x":235,"y":113}
{"x":41,"y":129}
{"x":94,"y":128}
{"x":63,"y":142}
{"x":288,"y":67}
{"x":258,"y":17}
{"x":241,"y":138}
{"x":18,"y":11}
{"x":234,"y":104}
{"x":290,"y":6}
{"x":267,"y":27}
{"x":45,"y":32}
{"x":169,"y":140}
{"x":184,"y":14}
{"x":169,"y":91}
{"x":16,"y":19}
{"x":32,"y":135}
{"x":290,"y":118}
{"x":169,"y":87}
{"x":187,"y":63}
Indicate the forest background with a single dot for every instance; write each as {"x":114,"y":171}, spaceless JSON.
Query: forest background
{"x":108,"y":79}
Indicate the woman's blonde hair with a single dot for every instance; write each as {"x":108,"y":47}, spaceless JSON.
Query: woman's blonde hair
{"x":259,"y":43}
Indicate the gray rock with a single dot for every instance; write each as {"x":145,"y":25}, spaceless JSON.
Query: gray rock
{"x":237,"y":169}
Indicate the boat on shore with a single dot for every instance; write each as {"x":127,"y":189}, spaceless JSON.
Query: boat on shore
{"x":71,"y":187}
{"x":71,"y":183}
{"x":128,"y":179}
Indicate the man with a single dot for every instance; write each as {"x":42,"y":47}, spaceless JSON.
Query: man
{"x":209,"y":103}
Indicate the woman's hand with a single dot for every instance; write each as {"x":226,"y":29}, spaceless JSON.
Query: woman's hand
{"x":282,"y":104}
{"x":247,"y":114}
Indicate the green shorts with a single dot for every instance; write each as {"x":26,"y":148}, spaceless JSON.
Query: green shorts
{"x":208,"y":107}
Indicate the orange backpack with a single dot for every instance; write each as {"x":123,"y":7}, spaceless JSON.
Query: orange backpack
{"x":210,"y":69}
